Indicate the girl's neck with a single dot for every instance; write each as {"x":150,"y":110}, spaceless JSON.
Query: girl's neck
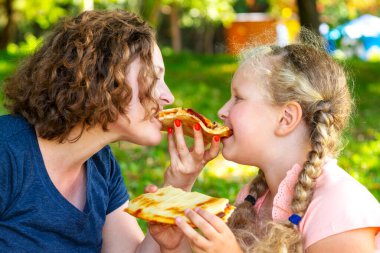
{"x":286,"y":153}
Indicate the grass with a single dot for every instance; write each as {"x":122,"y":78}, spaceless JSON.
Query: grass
{"x":202,"y":82}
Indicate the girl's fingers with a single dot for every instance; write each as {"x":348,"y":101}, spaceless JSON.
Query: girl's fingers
{"x":214,"y":149}
{"x":216,"y":222}
{"x":171,"y":145}
{"x":195,"y":238}
{"x":199,"y":221}
{"x":182,"y":149}
{"x":198,"y":148}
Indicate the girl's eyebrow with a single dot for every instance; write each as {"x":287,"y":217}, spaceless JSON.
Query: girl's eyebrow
{"x":235,"y":90}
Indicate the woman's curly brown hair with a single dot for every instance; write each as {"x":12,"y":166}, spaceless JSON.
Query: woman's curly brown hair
{"x":78,"y":76}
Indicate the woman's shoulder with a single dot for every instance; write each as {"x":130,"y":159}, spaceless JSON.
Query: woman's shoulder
{"x":11,"y":126}
{"x":104,"y":162}
{"x":340,"y":203}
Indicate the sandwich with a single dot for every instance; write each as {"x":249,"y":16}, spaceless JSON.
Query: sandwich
{"x":188,"y":118}
{"x":167,"y":203}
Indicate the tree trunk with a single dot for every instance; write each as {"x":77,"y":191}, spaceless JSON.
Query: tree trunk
{"x":175,"y":29}
{"x":7,"y":32}
{"x":154,"y":13}
{"x":308,"y":14}
{"x":208,"y":38}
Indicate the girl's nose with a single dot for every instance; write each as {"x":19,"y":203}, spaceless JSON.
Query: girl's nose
{"x":223,"y":112}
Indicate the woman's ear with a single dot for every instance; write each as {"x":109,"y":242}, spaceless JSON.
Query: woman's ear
{"x":289,"y":118}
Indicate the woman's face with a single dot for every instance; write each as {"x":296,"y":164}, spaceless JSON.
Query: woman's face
{"x":138,"y":129}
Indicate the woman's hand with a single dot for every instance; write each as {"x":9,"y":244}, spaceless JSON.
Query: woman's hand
{"x":216,"y":238}
{"x":186,"y":164}
{"x":169,"y":237}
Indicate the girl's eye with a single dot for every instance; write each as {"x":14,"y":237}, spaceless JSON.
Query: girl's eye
{"x":237,"y":98}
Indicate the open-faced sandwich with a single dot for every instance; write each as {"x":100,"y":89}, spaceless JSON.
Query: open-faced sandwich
{"x":188,"y":118}
{"x":169,"y":202}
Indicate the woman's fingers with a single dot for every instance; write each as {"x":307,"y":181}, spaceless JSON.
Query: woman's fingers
{"x":199,"y":147}
{"x":171,"y":145}
{"x":182,"y":149}
{"x":193,"y":236}
{"x":150,"y":188}
{"x":214,"y":149}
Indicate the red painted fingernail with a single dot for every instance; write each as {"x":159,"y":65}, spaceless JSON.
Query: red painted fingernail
{"x":216,"y":138}
{"x":177,"y":123}
{"x":197,"y":126}
{"x":170,"y":130}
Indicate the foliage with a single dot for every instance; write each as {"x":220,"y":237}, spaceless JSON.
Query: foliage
{"x":202,"y":82}
{"x":43,"y":13}
{"x":197,"y":11}
{"x":332,"y":12}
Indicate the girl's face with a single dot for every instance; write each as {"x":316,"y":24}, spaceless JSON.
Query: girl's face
{"x":250,"y":115}
{"x":138,"y":129}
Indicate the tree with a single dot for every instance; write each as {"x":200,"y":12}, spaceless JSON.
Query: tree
{"x":308,"y":14}
{"x":7,"y":32}
{"x":202,"y":15}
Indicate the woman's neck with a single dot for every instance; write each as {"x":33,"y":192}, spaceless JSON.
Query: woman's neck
{"x":68,"y":156}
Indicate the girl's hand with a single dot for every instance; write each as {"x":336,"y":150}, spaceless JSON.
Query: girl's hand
{"x":216,"y":238}
{"x":186,"y":164}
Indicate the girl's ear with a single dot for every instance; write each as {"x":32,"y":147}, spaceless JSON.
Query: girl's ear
{"x":290,"y":117}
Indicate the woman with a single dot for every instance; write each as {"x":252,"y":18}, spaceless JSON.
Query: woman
{"x":98,"y":78}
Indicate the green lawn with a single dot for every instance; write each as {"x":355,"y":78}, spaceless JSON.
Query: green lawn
{"x":202,"y":82}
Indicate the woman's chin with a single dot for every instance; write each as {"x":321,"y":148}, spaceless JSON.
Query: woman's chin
{"x":154,"y":139}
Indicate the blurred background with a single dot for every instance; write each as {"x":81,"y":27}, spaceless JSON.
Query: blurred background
{"x":200,"y":40}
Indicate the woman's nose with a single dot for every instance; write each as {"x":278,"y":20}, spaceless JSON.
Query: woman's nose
{"x":165,"y":96}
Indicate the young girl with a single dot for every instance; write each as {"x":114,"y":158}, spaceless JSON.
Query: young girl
{"x":288,"y":108}
{"x":98,"y":78}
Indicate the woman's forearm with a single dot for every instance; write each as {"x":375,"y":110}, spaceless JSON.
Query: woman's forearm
{"x":148,"y":245}
{"x":184,"y":247}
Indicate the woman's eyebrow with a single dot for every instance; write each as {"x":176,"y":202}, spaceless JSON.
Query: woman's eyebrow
{"x":159,"y":69}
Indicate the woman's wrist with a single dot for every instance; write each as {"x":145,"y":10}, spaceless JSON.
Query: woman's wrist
{"x":185,"y":182}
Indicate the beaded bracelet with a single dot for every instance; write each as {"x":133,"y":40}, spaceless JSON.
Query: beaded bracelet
{"x":250,"y":199}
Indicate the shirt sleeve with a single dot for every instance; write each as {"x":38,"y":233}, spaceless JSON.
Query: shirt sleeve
{"x":118,"y":193}
{"x":337,"y":208}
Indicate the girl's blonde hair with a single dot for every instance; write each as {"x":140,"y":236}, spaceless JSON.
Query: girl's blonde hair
{"x":308,"y":75}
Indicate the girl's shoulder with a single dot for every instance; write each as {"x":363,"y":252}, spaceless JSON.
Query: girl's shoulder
{"x":340,"y":203}
{"x":336,"y":189}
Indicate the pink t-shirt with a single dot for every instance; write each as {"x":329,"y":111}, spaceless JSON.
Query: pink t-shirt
{"x":339,"y":204}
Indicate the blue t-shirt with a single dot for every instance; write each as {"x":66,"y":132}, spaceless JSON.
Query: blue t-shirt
{"x":34,"y":216}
